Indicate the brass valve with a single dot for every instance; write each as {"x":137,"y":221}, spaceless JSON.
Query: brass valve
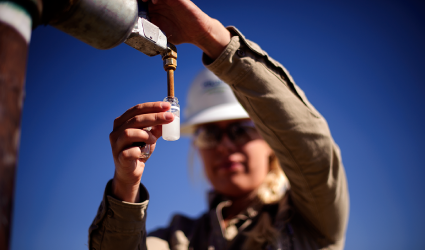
{"x":170,"y":63}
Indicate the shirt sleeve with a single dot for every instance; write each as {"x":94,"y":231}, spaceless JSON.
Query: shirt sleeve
{"x":296,"y":132}
{"x":119,"y":224}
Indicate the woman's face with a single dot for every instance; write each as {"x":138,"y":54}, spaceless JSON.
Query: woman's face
{"x":233,"y":169}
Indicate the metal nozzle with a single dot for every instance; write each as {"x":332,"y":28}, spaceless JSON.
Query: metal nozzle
{"x":147,"y":38}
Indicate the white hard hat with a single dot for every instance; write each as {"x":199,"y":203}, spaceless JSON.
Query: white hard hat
{"x":210,"y":100}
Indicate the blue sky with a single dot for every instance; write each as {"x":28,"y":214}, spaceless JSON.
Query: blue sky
{"x":361,"y":63}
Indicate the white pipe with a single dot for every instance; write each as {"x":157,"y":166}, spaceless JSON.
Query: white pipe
{"x":16,"y":17}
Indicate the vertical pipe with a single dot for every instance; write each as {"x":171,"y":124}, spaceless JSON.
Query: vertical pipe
{"x":15,"y":32}
{"x":170,"y":82}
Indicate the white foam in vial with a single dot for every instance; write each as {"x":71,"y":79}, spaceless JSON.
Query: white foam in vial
{"x":171,"y":131}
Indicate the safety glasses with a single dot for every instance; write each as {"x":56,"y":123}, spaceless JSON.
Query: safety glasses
{"x":208,"y":136}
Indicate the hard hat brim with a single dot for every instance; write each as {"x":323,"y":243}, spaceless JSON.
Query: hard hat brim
{"x":228,"y":111}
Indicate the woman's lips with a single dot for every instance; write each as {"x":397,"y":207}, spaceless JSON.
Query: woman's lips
{"x":230,"y":166}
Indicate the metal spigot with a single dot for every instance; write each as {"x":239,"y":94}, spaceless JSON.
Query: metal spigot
{"x":145,"y":36}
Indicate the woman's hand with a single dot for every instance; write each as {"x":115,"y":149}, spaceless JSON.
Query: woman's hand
{"x":128,"y":129}
{"x":183,"y":22}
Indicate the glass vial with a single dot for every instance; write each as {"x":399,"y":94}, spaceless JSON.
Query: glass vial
{"x":145,"y":151}
{"x":171,"y":131}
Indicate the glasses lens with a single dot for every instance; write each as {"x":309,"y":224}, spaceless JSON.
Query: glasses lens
{"x":239,"y":133}
{"x":207,"y":136}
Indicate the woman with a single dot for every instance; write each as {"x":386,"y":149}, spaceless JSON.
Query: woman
{"x":249,"y":208}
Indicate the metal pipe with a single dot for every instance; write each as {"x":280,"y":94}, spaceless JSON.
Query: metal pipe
{"x":170,"y":83}
{"x":102,"y":24}
{"x":15,"y":32}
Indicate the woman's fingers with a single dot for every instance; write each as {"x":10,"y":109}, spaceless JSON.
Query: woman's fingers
{"x":157,"y":131}
{"x":141,"y":121}
{"x":148,"y":120}
{"x":129,"y":156}
{"x":144,"y":108}
{"x":130,"y":136}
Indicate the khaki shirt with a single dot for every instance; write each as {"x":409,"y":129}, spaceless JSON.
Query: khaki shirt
{"x":312,"y":215}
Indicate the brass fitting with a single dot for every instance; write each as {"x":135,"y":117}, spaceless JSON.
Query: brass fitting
{"x":170,"y":64}
{"x":170,"y":60}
